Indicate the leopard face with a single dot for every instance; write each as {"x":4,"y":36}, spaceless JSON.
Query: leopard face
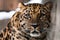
{"x":33,"y":19}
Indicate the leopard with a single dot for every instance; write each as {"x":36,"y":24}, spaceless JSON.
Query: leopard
{"x":31,"y":22}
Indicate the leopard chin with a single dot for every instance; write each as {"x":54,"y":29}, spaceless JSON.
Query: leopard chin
{"x":34,"y":35}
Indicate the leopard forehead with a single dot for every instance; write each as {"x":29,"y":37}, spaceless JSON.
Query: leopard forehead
{"x":32,"y":8}
{"x":35,"y":7}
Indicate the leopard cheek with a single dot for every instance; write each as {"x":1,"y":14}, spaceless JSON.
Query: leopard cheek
{"x":38,"y":28}
{"x":31,"y":28}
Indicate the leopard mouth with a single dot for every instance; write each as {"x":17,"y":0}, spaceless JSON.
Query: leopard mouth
{"x":35,"y":34}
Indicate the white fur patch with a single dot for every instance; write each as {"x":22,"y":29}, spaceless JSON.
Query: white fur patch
{"x":35,"y":35}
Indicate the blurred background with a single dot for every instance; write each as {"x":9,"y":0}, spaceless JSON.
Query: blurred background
{"x":9,"y":7}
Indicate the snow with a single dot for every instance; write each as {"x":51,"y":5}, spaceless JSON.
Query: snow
{"x":6,"y":15}
{"x":35,"y":1}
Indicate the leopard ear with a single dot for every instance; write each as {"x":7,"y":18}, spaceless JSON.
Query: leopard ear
{"x":21,"y":5}
{"x":48,"y":5}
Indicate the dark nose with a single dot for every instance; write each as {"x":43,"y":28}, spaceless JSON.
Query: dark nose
{"x":34,"y":25}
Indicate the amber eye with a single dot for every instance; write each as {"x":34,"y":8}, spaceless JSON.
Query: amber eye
{"x":43,"y":30}
{"x":27,"y":16}
{"x":43,"y":12}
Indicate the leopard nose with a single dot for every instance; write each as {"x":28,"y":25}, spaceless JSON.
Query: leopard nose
{"x":34,"y":25}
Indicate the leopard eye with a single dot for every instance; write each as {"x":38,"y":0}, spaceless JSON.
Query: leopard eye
{"x":43,"y":13}
{"x":27,"y":16}
{"x":43,"y":30}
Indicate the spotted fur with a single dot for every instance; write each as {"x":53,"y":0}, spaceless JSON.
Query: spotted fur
{"x":30,"y":23}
